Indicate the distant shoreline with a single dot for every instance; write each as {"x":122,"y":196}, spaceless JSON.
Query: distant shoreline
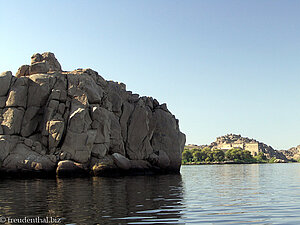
{"x":228,"y":162}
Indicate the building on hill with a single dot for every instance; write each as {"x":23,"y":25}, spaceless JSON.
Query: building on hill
{"x":252,"y":147}
{"x":231,"y":141}
{"x":238,"y":144}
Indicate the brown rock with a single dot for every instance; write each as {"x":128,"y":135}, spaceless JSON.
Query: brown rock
{"x":17,"y":96}
{"x":7,"y":144}
{"x":12,"y":120}
{"x":102,"y":123}
{"x":93,"y":91}
{"x":47,"y":58}
{"x":121,"y":161}
{"x":28,"y":142}
{"x":124,"y":119}
{"x":39,"y":67}
{"x":99,"y":150}
{"x":75,"y":142}
{"x":56,"y":130}
{"x":23,"y":71}
{"x":138,"y":144}
{"x":30,"y":121}
{"x":116,"y":101}
{"x":79,"y":121}
{"x":61,"y":108}
{"x":163,"y":160}
{"x":140,"y":164}
{"x":70,"y":168}
{"x":37,"y":57}
{"x":53,"y":63}
{"x":24,"y":159}
{"x":40,"y":87}
{"x":104,"y":166}
{"x":2,"y":101}
{"x":167,"y":138}
{"x":116,"y":140}
{"x":5,"y":79}
{"x":55,"y":95}
{"x":80,"y":117}
{"x":38,"y":147}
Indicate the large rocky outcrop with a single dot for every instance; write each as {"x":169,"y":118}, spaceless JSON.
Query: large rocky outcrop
{"x":70,"y":122}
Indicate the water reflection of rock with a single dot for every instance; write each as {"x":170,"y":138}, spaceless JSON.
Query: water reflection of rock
{"x":95,"y":200}
{"x":28,"y":197}
{"x":119,"y":200}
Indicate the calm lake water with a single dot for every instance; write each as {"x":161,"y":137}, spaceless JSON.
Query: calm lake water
{"x":205,"y":194}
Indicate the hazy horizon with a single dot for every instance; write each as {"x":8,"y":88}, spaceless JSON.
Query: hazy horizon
{"x":221,"y":66}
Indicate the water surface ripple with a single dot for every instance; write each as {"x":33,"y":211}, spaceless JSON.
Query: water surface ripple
{"x":204,"y":194}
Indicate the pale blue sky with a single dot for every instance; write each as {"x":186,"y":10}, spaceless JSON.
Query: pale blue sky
{"x":221,"y":66}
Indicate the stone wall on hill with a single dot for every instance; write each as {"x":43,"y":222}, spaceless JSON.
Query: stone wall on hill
{"x":230,"y":141}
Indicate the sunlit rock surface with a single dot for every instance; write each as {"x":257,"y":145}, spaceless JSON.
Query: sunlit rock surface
{"x":77,"y":122}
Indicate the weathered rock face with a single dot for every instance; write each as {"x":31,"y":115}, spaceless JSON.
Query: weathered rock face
{"x":52,"y":120}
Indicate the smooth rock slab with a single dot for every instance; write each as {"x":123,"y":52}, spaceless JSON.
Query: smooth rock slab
{"x":121,"y":161}
{"x":39,"y":67}
{"x":22,"y":158}
{"x":2,"y":101}
{"x":56,"y":129}
{"x":104,"y":166}
{"x":100,"y":150}
{"x":17,"y":96}
{"x":30,"y":121}
{"x":23,"y":71}
{"x":12,"y":120}
{"x":70,"y":168}
{"x":5,"y":79}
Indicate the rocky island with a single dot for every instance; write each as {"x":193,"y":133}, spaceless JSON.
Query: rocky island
{"x":233,"y":148}
{"x":70,"y":123}
{"x":230,"y":141}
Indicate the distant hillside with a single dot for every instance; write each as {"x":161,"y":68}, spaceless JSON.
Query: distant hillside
{"x":230,"y":141}
{"x":191,"y":146}
{"x":293,"y":153}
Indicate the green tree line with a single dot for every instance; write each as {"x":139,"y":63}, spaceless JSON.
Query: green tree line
{"x":207,"y":155}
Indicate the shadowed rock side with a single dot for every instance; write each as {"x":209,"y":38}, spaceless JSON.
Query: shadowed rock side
{"x":78,"y":123}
